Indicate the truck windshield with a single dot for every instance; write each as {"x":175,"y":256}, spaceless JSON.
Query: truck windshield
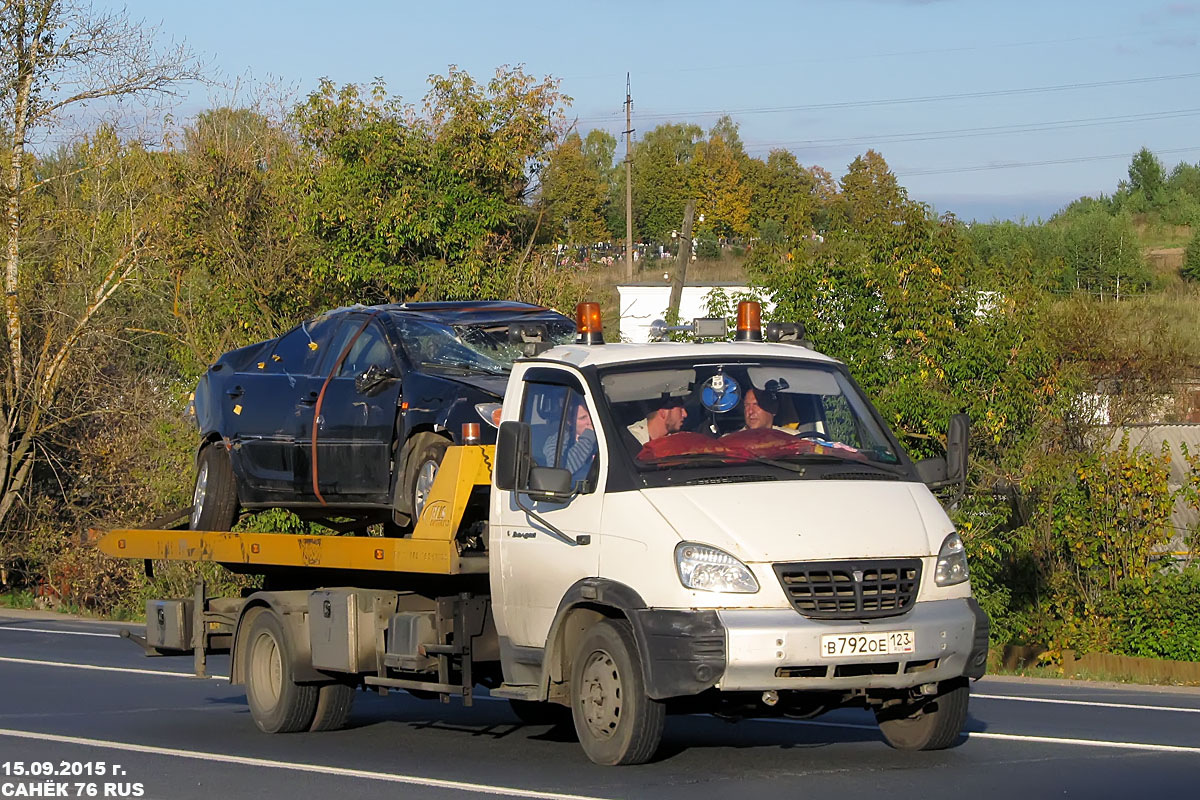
{"x":475,"y":348}
{"x":778,"y":412}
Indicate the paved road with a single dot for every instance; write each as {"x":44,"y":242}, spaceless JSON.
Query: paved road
{"x":71,"y":691}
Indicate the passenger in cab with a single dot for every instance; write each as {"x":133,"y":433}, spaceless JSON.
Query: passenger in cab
{"x":580,"y":449}
{"x":666,"y":415}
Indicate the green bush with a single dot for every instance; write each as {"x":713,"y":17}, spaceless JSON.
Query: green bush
{"x":1191,"y":259}
{"x":1156,"y":618}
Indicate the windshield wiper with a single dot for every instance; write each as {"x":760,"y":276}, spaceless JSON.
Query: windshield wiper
{"x":827,"y":458}
{"x":462,"y":369}
{"x":722,"y":459}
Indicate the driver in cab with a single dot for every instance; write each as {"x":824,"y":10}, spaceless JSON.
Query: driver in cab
{"x":760,"y":410}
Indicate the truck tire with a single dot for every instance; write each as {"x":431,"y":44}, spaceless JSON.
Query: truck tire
{"x":277,"y":703}
{"x":214,"y":498}
{"x":334,"y":701}
{"x":934,"y":724}
{"x":420,"y":469}
{"x":532,"y":712}
{"x":616,"y":721}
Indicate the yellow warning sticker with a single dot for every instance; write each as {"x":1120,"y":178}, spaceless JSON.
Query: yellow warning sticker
{"x":262,"y":365}
{"x":313,"y":345}
{"x":237,"y":409}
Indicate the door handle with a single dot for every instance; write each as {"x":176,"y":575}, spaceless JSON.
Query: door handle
{"x":309,"y":400}
{"x":235,"y":392}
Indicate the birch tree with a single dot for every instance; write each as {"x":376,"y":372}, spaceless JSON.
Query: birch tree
{"x":57,"y":56}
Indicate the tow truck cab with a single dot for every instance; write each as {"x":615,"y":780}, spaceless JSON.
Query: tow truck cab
{"x":798,"y":566}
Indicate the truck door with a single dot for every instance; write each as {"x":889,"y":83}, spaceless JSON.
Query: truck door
{"x":535,"y":565}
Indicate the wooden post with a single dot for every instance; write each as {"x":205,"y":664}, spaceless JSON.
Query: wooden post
{"x":685,"y":256}
{"x":628,"y":183}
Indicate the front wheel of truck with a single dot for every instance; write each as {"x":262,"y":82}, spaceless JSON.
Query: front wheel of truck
{"x":617,"y":722}
{"x":927,"y":724}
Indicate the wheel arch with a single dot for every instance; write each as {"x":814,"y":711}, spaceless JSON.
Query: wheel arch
{"x":292,"y":610}
{"x":587,"y":602}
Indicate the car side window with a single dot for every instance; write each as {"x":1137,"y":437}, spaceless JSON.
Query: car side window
{"x":370,"y":349}
{"x":299,"y":351}
{"x":562,"y":431}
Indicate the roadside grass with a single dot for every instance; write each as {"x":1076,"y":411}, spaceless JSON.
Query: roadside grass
{"x":17,"y":598}
{"x":1056,"y":672}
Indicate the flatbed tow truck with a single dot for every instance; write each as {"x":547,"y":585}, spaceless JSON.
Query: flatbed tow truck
{"x":787,"y":571}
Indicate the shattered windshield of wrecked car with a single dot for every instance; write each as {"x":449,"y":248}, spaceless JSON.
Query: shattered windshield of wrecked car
{"x":474,"y":348}
{"x":777,"y":413}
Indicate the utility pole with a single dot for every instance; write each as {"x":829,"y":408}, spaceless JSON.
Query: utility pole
{"x":685,"y":256}
{"x":628,"y":183}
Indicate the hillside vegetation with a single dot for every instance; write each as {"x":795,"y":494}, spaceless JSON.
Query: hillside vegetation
{"x":129,"y":268}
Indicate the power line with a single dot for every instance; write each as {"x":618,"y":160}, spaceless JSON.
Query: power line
{"x":1066,"y":87}
{"x":1020,"y":164}
{"x":993,"y":130}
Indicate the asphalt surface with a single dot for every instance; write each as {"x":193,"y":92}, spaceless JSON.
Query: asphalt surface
{"x":74,"y":696}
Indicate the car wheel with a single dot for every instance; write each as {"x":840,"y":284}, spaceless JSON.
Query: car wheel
{"x":214,"y":498}
{"x":617,"y":722}
{"x":421,"y":469}
{"x":933,"y":724}
{"x":277,"y":703}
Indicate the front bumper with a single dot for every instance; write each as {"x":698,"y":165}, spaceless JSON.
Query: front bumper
{"x":779,"y":649}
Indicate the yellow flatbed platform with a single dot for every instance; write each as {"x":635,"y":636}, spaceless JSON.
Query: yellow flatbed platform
{"x":431,"y":549}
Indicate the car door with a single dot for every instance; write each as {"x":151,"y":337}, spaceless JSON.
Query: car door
{"x":356,"y":425}
{"x":536,"y":566}
{"x":262,"y":400}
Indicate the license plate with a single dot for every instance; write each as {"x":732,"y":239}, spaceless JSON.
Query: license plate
{"x":839,"y":645}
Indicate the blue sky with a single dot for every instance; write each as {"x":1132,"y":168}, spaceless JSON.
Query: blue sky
{"x":984,"y":83}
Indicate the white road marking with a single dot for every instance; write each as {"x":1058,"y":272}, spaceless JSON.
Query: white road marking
{"x":64,"y":633}
{"x":136,"y":671}
{"x":1096,"y":704}
{"x":1012,"y":737}
{"x":387,"y":777}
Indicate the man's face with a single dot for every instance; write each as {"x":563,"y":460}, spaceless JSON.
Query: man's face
{"x":674,"y":418}
{"x":583,"y":420}
{"x":757,"y":417}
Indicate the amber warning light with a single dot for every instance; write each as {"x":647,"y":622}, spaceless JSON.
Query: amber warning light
{"x":588,"y":327}
{"x":749,"y":322}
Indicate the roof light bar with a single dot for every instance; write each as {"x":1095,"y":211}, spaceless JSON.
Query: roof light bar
{"x":589,"y":328}
{"x":749,"y":322}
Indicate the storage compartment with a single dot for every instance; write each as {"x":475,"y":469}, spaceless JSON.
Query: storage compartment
{"x":407,"y":632}
{"x":345,"y":626}
{"x":169,"y":624}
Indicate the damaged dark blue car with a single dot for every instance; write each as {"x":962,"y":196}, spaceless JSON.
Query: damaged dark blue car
{"x":344,"y":419}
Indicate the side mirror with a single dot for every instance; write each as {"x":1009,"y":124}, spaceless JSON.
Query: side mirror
{"x":373,"y":377}
{"x":958,"y":436}
{"x":938,"y":473}
{"x":550,"y":484}
{"x":513,"y":458}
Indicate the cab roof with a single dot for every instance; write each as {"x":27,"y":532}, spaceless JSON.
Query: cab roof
{"x":601,"y":355}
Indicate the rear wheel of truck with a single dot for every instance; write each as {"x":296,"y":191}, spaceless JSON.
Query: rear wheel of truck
{"x":277,"y":703}
{"x":334,"y":701}
{"x":932,"y":724}
{"x":616,"y":721}
{"x":214,"y":498}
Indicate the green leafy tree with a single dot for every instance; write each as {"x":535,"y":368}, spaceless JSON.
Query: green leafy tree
{"x":661,"y":164}
{"x":782,"y":194}
{"x":1101,"y":254}
{"x":1146,"y":176}
{"x":429,"y":203}
{"x":574,"y":192}
{"x":722,"y":197}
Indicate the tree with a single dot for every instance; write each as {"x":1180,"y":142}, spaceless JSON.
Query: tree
{"x":1146,"y":175}
{"x":407,"y":202}
{"x":722,"y":197}
{"x":574,"y":193}
{"x":56,"y":55}
{"x":661,"y":163}
{"x":871,"y":199}
{"x":1191,"y":260}
{"x":782,"y":192}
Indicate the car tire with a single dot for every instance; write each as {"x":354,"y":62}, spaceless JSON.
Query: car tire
{"x":277,"y":703}
{"x":616,"y":721}
{"x":425,"y":454}
{"x":214,"y":496}
{"x":933,"y":724}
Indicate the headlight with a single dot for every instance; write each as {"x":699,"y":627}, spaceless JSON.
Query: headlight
{"x":952,"y":562}
{"x":711,"y":570}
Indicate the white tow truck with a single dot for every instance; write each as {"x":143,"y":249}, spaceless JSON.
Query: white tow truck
{"x":702,"y":526}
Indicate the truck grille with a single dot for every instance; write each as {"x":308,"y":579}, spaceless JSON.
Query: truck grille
{"x":851,"y":589}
